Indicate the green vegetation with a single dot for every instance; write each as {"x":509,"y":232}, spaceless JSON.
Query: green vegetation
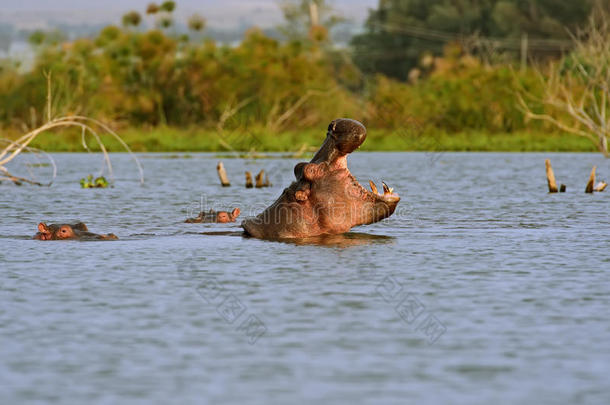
{"x":577,"y":88}
{"x":168,"y":91}
{"x":399,"y":32}
{"x":167,"y":139}
{"x":98,"y":182}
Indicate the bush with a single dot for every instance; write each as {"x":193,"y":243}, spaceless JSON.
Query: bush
{"x":460,"y":94}
{"x":148,"y":79}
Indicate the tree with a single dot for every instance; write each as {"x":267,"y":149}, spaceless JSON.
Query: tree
{"x":577,"y":88}
{"x":152,"y":8}
{"x":166,"y":22}
{"x":196,"y":23}
{"x":399,"y":31}
{"x":132,"y":18}
{"x":168,"y":6}
{"x":311,"y":19}
{"x":36,"y":38}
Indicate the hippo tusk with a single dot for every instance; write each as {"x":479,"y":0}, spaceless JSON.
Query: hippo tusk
{"x":386,"y":190}
{"x":373,"y":187}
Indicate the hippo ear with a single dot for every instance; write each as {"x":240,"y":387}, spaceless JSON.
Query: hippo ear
{"x":298,"y":170}
{"x":235,"y":213}
{"x":42,"y":227}
{"x":80,"y":226}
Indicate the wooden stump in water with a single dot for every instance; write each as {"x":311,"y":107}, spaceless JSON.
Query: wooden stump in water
{"x":249,"y":183}
{"x":222,"y":175}
{"x":591,"y":182}
{"x":259,"y":179}
{"x":550,"y":177}
{"x":601,"y":186}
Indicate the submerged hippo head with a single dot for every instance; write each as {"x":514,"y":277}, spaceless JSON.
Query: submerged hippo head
{"x":67,"y":231}
{"x":325,"y":198}
{"x":211,"y":216}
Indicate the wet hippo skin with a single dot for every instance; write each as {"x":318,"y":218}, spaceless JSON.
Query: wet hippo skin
{"x":325,"y":198}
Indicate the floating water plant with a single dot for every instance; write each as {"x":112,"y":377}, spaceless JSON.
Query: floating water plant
{"x":98,"y":182}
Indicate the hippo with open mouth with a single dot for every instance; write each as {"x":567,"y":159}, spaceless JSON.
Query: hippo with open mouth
{"x":325,"y":198}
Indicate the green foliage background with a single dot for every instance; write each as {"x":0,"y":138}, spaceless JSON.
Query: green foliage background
{"x":170,"y":92}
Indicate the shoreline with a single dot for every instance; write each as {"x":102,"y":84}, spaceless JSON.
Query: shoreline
{"x":298,"y":143}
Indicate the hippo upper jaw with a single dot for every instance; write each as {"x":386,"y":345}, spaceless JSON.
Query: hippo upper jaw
{"x":325,"y":198}
{"x":342,"y":138}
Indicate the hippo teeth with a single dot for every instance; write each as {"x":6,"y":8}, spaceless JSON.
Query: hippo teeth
{"x":386,"y":190}
{"x":373,"y":187}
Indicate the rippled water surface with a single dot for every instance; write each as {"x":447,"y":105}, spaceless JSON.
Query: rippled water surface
{"x":482,"y":288}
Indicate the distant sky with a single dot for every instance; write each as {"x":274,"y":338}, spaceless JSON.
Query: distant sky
{"x":225,"y":12}
{"x":33,"y":5}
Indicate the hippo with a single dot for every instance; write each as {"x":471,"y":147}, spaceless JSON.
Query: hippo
{"x":211,"y":216}
{"x":325,"y":198}
{"x":69,"y":231}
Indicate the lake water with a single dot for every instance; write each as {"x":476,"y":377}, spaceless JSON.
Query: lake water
{"x":482,"y":288}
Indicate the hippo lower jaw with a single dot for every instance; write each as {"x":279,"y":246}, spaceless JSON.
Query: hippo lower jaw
{"x":325,"y":198}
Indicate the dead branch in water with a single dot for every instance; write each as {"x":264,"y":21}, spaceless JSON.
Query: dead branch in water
{"x":34,"y":152}
{"x":87,"y":126}
{"x":591,"y":186}
{"x":260,"y":180}
{"x":591,"y":182}
{"x":550,"y":176}
{"x":222,"y":175}
{"x":249,"y":183}
{"x":18,"y":180}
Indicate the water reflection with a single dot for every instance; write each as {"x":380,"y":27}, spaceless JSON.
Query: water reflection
{"x":342,"y":240}
{"x":222,"y":233}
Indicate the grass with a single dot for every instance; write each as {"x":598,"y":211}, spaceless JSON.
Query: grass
{"x":168,"y":139}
